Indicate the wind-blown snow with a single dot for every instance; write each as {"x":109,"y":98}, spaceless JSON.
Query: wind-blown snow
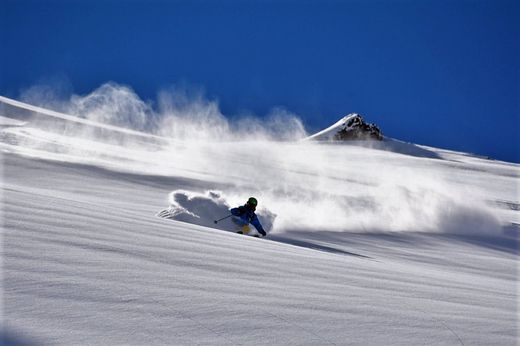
{"x":389,"y":245}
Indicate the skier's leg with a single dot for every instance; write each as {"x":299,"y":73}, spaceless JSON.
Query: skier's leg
{"x":242,"y":225}
{"x":245,"y":229}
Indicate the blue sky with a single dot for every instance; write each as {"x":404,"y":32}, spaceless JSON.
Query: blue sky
{"x":439,"y":73}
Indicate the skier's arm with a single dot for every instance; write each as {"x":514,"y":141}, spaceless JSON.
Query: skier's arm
{"x":237,"y":211}
{"x":255,"y":222}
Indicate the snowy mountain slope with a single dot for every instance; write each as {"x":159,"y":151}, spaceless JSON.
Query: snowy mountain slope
{"x":94,"y":266}
{"x":368,"y":246}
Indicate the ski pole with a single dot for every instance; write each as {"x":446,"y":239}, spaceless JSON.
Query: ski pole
{"x":216,"y":221}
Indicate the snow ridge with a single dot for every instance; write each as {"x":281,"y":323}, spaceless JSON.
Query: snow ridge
{"x":75,"y":119}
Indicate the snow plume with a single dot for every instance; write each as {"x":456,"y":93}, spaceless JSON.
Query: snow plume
{"x":190,"y":116}
{"x":115,"y":105}
{"x":178,"y":113}
{"x":312,"y":188}
{"x":206,"y":208}
{"x":349,"y":189}
{"x":408,"y":199}
{"x":110,"y":104}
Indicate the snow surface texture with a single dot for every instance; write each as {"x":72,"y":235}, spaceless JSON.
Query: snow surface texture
{"x":370,"y":245}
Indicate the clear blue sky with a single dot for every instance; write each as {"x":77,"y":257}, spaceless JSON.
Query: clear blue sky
{"x":440,"y":73}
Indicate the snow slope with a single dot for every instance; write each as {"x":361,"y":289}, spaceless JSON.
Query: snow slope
{"x":368,"y":246}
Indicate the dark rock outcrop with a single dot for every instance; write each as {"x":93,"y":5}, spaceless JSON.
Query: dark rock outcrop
{"x":355,"y":128}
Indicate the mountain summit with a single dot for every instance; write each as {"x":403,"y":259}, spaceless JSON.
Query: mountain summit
{"x":350,"y":127}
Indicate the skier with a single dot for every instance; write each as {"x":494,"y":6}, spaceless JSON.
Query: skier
{"x":245,"y":215}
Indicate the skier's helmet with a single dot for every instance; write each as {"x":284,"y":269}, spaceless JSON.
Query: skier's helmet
{"x":252,"y":201}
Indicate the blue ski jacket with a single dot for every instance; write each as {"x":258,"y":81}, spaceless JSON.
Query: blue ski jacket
{"x":248,"y":216}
